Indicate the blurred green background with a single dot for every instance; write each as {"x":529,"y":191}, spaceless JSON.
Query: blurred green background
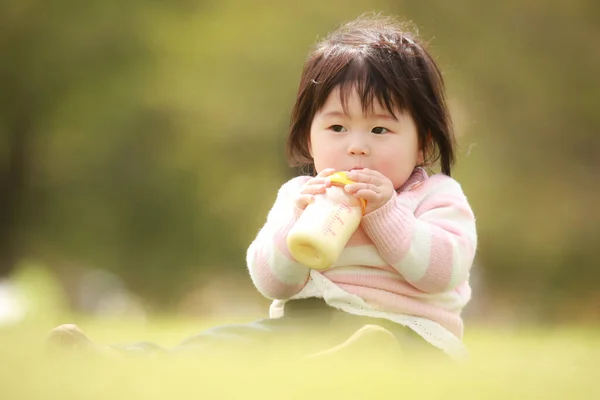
{"x":142,"y":145}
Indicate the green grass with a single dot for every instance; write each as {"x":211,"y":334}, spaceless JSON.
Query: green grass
{"x":558,"y":363}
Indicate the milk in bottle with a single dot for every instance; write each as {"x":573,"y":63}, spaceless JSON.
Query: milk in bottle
{"x":325,"y":226}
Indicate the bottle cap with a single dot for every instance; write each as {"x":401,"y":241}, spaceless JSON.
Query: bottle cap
{"x":341,"y":179}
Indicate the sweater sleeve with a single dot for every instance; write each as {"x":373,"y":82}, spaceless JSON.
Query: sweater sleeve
{"x":274,"y":271}
{"x":429,"y":236}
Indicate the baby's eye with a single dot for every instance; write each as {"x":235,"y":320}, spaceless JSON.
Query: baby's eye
{"x":379,"y":130}
{"x":337,"y":128}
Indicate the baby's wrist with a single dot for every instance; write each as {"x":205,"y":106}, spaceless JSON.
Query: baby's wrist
{"x":382,"y":211}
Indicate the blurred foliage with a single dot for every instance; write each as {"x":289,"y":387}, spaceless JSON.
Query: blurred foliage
{"x":147,"y":138}
{"x":547,"y":364}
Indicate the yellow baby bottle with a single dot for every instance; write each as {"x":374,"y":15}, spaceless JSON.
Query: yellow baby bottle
{"x":324,"y":228}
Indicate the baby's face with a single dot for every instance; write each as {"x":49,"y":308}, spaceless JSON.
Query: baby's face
{"x":377,"y":141}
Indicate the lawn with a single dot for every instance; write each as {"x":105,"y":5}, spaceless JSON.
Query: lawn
{"x":550,"y":363}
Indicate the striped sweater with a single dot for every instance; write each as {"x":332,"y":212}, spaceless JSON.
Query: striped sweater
{"x":410,"y":257}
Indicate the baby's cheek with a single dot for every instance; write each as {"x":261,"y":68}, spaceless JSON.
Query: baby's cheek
{"x":394,"y":172}
{"x":327,"y":160}
{"x":386,"y":168}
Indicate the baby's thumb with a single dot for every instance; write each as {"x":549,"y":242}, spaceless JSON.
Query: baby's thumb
{"x":304,"y":200}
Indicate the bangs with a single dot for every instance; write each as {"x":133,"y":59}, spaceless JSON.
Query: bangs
{"x":376,"y":81}
{"x":372,"y":87}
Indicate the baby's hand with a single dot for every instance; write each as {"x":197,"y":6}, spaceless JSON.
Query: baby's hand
{"x":372,"y":186}
{"x":312,"y":187}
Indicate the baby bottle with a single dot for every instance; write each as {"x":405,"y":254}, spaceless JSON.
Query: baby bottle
{"x":322,"y":231}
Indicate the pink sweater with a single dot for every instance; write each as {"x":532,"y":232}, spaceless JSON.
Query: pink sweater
{"x":412,"y":256}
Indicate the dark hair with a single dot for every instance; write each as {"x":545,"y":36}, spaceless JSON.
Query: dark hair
{"x":382,"y":60}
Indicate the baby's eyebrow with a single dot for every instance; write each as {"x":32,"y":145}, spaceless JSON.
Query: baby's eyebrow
{"x":385,"y":116}
{"x":335,"y":114}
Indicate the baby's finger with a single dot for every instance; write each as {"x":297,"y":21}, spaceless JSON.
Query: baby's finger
{"x":372,"y":172}
{"x":326,"y":172}
{"x":357,"y":186}
{"x":365,"y":177}
{"x":304,"y":200}
{"x":370,"y":196}
{"x":318,"y":181}
{"x":315,"y":189}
